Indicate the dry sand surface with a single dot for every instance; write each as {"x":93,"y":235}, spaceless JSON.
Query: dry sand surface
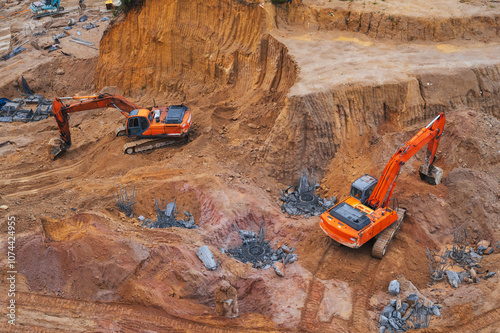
{"x":273,"y":90}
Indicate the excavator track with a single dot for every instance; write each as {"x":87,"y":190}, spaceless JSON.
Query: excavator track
{"x":385,"y":237}
{"x":142,"y":145}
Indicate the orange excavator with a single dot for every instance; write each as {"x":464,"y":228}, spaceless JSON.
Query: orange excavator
{"x":157,"y":126}
{"x":366,"y":214}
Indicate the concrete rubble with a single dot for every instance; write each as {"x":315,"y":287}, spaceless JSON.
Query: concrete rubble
{"x":411,"y":313}
{"x":394,"y":288}
{"x":302,"y":199}
{"x":465,"y":256}
{"x":31,"y":108}
{"x":167,"y":218}
{"x":258,"y":252}
{"x":207,"y":257}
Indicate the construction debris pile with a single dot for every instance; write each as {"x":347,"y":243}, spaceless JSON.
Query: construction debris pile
{"x":167,"y":217}
{"x":302,"y":199}
{"x":412,"y":313}
{"x":32,"y":108}
{"x":257,"y":251}
{"x":463,"y":255}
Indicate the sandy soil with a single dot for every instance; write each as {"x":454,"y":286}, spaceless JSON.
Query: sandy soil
{"x":85,"y":266}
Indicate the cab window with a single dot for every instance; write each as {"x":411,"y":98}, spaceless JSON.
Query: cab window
{"x":356,"y":193}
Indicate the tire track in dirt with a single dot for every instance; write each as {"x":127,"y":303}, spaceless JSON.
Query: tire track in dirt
{"x":125,"y":317}
{"x":32,"y":182}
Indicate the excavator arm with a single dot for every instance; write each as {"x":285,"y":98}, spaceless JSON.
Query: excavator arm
{"x":62,"y":110}
{"x":430,"y":135}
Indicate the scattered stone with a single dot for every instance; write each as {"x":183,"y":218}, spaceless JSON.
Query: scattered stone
{"x":474,"y":255}
{"x":381,"y":329}
{"x":226,"y":300}
{"x":394,"y":287}
{"x":60,"y":71}
{"x":453,"y":278}
{"x":393,"y":302}
{"x":82,"y":18}
{"x":279,"y":268}
{"x":488,"y":251}
{"x":435,"y":311}
{"x":489,"y":275}
{"x":207,"y":257}
{"x":4,"y":207}
{"x":141,"y":218}
{"x":484,"y":243}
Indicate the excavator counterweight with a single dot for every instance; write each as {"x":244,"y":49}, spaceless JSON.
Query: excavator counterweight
{"x":154,"y":125}
{"x":366,"y":214}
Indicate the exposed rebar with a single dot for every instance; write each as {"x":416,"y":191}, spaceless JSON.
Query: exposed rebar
{"x":125,"y":200}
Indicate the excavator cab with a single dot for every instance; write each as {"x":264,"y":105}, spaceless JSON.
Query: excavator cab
{"x":136,"y":125}
{"x":363,"y":187}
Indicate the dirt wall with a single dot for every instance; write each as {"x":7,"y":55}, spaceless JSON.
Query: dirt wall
{"x":380,"y":21}
{"x":313,"y":127}
{"x":175,"y":45}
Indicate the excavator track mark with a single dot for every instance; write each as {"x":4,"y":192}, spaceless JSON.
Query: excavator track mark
{"x":385,"y":237}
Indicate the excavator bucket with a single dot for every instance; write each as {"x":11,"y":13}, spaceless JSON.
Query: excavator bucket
{"x":55,"y":148}
{"x":431,"y":175}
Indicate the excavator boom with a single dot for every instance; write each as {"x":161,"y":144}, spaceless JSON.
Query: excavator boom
{"x":153,"y":125}
{"x":61,"y":110}
{"x":430,"y":135}
{"x":365,"y":214}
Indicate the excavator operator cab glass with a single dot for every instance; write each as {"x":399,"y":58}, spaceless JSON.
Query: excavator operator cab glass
{"x":363,"y":187}
{"x":137,"y":125}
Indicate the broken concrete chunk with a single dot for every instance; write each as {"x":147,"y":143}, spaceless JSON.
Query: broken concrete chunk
{"x":411,"y":300}
{"x":435,"y":311}
{"x":387,"y":312}
{"x":453,"y":278}
{"x":488,"y":251}
{"x":279,"y":268}
{"x":206,"y":257}
{"x":484,"y":243}
{"x":394,"y":287}
{"x":481,"y":248}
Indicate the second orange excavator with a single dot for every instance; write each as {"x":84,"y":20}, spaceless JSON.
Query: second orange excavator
{"x":366,"y":214}
{"x":156,"y":127}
